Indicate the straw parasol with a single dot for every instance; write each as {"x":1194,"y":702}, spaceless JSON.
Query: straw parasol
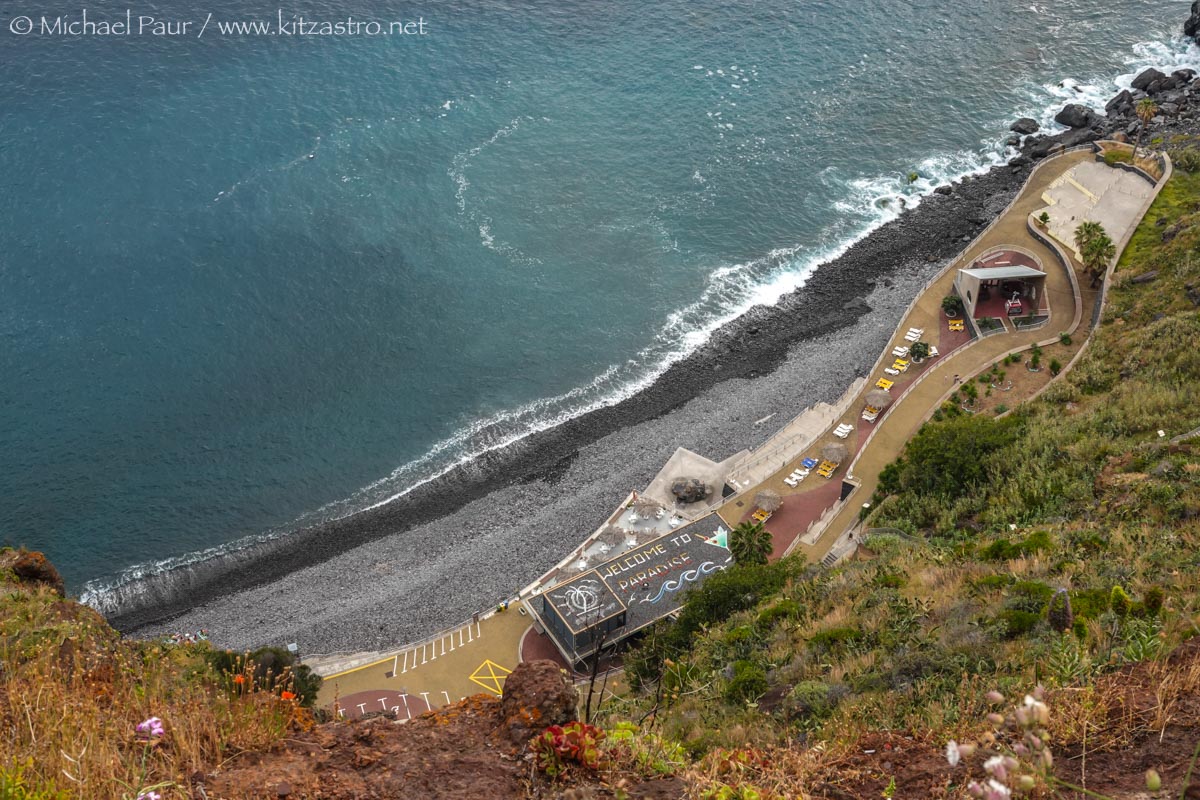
{"x":646,"y":507}
{"x":878,"y":398}
{"x":835,"y":452}
{"x":768,"y":500}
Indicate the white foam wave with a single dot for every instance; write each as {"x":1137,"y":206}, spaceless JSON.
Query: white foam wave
{"x":1044,"y":101}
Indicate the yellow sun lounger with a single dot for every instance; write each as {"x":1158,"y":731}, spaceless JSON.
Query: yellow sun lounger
{"x":760,"y":515}
{"x":958,"y":325}
{"x":885,"y":384}
{"x":826,"y":469}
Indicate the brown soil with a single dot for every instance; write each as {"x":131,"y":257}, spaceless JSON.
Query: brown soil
{"x":477,"y":748}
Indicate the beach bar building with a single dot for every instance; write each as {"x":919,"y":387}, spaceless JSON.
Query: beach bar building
{"x":642,"y":585}
{"x":1003,"y":284}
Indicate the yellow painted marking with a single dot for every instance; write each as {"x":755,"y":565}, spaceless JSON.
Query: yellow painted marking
{"x":356,"y":669}
{"x":490,"y":676}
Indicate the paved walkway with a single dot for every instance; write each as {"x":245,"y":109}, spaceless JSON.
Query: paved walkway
{"x":808,"y":523}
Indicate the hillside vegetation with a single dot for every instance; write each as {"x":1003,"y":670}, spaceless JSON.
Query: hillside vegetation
{"x":983,"y":534}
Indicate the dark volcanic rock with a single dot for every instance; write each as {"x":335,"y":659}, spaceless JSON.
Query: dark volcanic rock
{"x":1073,"y":115}
{"x":1121,"y":104}
{"x":690,"y":490}
{"x":1146,"y":78}
{"x":1025,"y":125}
{"x":1192,"y":26}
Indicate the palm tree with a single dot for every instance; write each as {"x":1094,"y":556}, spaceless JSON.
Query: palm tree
{"x":750,"y":543}
{"x":1096,"y":255}
{"x":1086,"y":232}
{"x":1146,"y":109}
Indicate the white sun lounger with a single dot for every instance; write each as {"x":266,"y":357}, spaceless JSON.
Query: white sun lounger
{"x":791,"y":482}
{"x":912,"y":337}
{"x":933,"y":352}
{"x":900,"y":352}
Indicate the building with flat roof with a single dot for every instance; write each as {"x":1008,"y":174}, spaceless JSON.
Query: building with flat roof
{"x":640,"y":586}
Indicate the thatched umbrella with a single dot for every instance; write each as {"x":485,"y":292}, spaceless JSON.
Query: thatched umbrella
{"x":768,"y":500}
{"x":612,"y":536}
{"x":645,"y":507}
{"x":878,"y":398}
{"x":835,"y":452}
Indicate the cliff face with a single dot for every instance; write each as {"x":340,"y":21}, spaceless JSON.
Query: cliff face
{"x":1192,"y":26}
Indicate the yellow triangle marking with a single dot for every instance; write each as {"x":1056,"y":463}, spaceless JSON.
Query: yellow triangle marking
{"x":490,"y":676}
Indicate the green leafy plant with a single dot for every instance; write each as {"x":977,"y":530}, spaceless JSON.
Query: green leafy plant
{"x":559,"y":747}
{"x":952,"y":304}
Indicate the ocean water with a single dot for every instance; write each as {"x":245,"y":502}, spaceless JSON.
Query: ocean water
{"x":250,"y":282}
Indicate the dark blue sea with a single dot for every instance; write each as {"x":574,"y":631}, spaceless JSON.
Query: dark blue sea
{"x":251,"y":281}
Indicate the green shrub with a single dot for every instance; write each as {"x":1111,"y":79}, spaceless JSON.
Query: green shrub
{"x":833,"y":638}
{"x":1186,"y":159}
{"x":1055,"y":366}
{"x":950,"y":458}
{"x":1031,"y":596}
{"x":773,"y":614}
{"x":811,"y":699}
{"x":748,"y":684}
{"x":272,"y":668}
{"x":995,"y":581}
{"x":1017,"y":623}
{"x":1064,"y":338}
{"x":1004,"y":550}
{"x":1089,"y":603}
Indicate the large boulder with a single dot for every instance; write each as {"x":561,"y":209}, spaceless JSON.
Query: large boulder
{"x":1147,"y":77}
{"x":30,"y":566}
{"x":1120,"y":105}
{"x":690,"y":490}
{"x":1073,"y":115}
{"x":1024,"y":126}
{"x":1192,"y":26}
{"x":537,"y":694}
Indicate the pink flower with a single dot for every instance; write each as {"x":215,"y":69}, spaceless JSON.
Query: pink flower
{"x":151,"y":729}
{"x":149,"y":796}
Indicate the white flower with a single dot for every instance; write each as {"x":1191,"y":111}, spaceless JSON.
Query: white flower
{"x":997,"y":790}
{"x":952,"y":754}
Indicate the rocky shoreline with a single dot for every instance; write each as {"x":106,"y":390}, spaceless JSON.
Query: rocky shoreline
{"x":469,"y":539}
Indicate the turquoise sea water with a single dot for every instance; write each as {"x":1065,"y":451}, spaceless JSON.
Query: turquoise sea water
{"x":249,"y":282}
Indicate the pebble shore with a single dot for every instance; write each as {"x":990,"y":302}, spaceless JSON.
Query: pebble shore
{"x":463,"y":543}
